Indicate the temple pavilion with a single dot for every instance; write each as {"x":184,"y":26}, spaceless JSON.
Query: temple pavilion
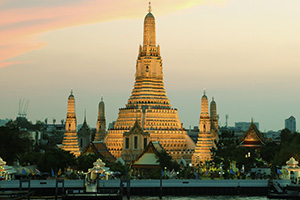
{"x":252,"y":138}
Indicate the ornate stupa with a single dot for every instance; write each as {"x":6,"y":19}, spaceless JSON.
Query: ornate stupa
{"x":149,"y":103}
{"x":208,"y":131}
{"x":70,"y":141}
{"x":101,"y":124}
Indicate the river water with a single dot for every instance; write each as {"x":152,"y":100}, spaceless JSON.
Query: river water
{"x":198,"y":198}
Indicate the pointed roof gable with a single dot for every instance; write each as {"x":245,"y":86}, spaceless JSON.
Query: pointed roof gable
{"x":84,"y":130}
{"x":252,"y":137}
{"x":148,"y":158}
{"x":99,"y":147}
{"x":136,"y":129}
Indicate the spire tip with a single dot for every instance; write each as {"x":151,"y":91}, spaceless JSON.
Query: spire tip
{"x":149,"y":9}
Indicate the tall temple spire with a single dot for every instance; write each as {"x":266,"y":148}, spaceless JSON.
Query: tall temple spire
{"x":101,"y":122}
{"x":204,"y":107}
{"x":149,"y":104}
{"x":70,"y":141}
{"x":214,"y":115}
{"x":206,"y":136}
{"x":149,"y":30}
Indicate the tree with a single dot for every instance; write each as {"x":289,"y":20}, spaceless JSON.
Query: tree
{"x":55,"y":158}
{"x":84,"y":162}
{"x":269,"y":151}
{"x":289,"y":147}
{"x":13,"y":143}
{"x":226,"y":149}
{"x":165,"y":160}
{"x":117,"y":167}
{"x":30,"y":158}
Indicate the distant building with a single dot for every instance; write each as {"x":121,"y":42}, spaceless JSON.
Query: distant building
{"x":237,"y":131}
{"x":244,"y":126}
{"x":55,"y":127}
{"x":290,"y":123}
{"x":193,"y":133}
{"x":273,"y":136}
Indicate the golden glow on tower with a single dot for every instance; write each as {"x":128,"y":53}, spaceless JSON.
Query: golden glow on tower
{"x":208,"y":131}
{"x":149,"y":104}
{"x":70,"y":141}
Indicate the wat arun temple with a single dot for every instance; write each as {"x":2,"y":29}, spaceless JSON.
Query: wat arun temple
{"x":149,"y":109}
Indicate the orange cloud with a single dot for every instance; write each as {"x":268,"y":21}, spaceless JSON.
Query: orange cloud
{"x":20,"y":25}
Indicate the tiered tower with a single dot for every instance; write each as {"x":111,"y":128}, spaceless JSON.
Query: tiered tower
{"x":70,"y":141}
{"x":214,"y":119}
{"x":101,"y":124}
{"x":208,"y":131}
{"x":149,"y":103}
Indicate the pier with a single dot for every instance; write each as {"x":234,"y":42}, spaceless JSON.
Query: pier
{"x":176,"y":187}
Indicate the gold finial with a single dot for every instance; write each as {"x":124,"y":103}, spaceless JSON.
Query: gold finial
{"x":101,"y":97}
{"x":204,"y":92}
{"x":71,"y":91}
{"x":213,"y":98}
{"x":149,"y":6}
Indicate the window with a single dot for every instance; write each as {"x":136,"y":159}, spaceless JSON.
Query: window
{"x":135,"y":142}
{"x":145,"y":143}
{"x":126,"y":143}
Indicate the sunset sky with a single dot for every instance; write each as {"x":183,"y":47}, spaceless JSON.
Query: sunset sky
{"x":245,"y":53}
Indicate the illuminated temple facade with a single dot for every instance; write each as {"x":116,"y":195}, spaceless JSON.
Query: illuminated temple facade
{"x":70,"y":141}
{"x":149,"y":104}
{"x":208,"y":131}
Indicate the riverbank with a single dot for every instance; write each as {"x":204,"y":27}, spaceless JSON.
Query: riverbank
{"x":175,"y":187}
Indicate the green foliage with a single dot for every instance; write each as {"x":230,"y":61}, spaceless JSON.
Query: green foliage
{"x":13,"y":143}
{"x":30,"y":158}
{"x":289,"y":147}
{"x":186,"y":173}
{"x":269,"y":151}
{"x":226,"y":149}
{"x":23,"y":123}
{"x":84,"y":162}
{"x":154,"y":173}
{"x":165,"y":160}
{"x":117,"y":167}
{"x":54,"y":138}
{"x":56,"y":159}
